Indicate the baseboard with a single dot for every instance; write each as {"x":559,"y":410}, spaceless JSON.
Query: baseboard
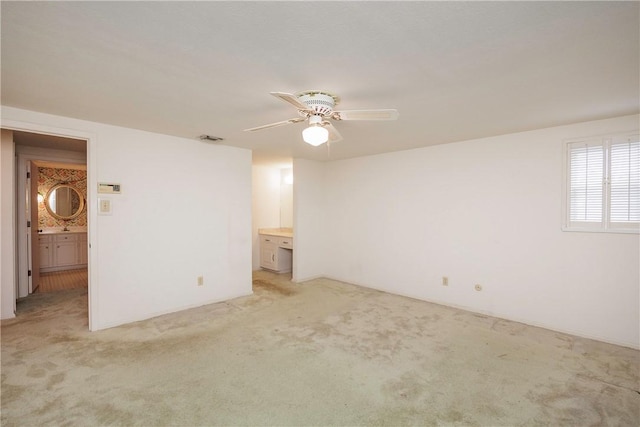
{"x":632,"y":345}
{"x":121,"y":322}
{"x":306,"y":279}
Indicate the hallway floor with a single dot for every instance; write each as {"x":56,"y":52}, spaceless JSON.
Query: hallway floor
{"x":318,"y":353}
{"x":61,"y":280}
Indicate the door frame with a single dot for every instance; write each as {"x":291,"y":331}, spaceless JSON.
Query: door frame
{"x":92,"y":186}
{"x":33,"y":255}
{"x":26,"y":246}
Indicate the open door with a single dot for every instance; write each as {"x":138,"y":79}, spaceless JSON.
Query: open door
{"x":32,"y":227}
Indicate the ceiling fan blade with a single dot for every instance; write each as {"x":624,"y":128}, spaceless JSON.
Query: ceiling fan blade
{"x":291,"y":99}
{"x":334,"y":135}
{"x":365,"y":115}
{"x":272,"y":125}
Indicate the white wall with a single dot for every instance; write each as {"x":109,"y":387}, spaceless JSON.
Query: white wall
{"x":184,"y":212}
{"x":7,"y":225}
{"x":286,"y":198}
{"x":309,"y":210}
{"x":483,"y":212}
{"x":265,"y":204}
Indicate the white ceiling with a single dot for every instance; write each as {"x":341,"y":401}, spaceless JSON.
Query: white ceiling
{"x":454,"y":70}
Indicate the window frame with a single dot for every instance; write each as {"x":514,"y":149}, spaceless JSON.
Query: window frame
{"x":605,"y":225}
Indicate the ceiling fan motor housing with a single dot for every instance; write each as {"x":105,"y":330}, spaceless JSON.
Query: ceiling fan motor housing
{"x":320,"y":102}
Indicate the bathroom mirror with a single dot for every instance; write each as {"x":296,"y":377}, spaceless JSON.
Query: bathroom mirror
{"x":64,"y":202}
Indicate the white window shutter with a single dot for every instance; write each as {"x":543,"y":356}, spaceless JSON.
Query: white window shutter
{"x":586,"y":183}
{"x":624,"y":182}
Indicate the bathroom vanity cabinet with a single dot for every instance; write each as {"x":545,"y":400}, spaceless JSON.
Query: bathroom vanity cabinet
{"x":276,"y":249}
{"x":62,"y":251}
{"x":46,"y":251}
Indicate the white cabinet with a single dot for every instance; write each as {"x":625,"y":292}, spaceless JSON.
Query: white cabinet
{"x":65,"y":254}
{"x":46,"y":251}
{"x":285,"y":242}
{"x":268,"y":252}
{"x":276,"y":253}
{"x":63,"y":251}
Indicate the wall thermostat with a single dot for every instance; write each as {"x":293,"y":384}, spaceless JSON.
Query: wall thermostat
{"x":108,"y":188}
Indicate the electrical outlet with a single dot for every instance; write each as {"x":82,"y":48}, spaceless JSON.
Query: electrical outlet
{"x":200,"y":280}
{"x":478,"y":288}
{"x":445,"y":281}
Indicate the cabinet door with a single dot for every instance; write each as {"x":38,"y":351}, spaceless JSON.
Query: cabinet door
{"x":268,"y":255}
{"x":66,"y":253}
{"x":45,"y":255}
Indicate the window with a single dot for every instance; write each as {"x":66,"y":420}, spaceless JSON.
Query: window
{"x":603,"y":184}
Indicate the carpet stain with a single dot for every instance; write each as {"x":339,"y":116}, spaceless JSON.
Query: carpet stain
{"x":11,"y":393}
{"x":56,"y":339}
{"x":407,"y":387}
{"x":36,"y":372}
{"x":403,"y":416}
{"x":55,"y":379}
{"x":579,"y":402}
{"x":265,"y":285}
{"x":49,"y":406}
{"x":454,"y":416}
{"x":109,"y":414}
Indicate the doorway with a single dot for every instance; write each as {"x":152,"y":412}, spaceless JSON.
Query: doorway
{"x":52,"y":213}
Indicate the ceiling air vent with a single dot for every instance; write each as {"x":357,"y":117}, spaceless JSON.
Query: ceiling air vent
{"x":210,"y":138}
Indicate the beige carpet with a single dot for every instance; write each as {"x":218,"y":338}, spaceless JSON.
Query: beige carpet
{"x":320,"y":353}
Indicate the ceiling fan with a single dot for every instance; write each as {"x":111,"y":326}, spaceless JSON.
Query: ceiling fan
{"x":316,"y":106}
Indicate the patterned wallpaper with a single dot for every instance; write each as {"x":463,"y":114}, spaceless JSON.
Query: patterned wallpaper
{"x":49,"y":177}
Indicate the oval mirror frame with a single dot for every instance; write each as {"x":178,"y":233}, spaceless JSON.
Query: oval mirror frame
{"x":53,"y":212}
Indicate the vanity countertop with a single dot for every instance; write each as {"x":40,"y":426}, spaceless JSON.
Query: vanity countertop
{"x":280,"y":232}
{"x":56,"y":231}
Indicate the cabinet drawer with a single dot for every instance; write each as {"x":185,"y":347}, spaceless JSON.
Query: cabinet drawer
{"x":268,"y":239}
{"x":285,"y":242}
{"x":65,"y":238}
{"x":44,"y":238}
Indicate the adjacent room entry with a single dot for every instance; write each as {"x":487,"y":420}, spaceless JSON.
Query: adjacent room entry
{"x":59,"y":240}
{"x":52,"y":220}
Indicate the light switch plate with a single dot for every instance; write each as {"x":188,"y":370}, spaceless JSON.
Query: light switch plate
{"x":104,"y":206}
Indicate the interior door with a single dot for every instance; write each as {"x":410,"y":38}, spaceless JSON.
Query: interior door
{"x":32,"y":207}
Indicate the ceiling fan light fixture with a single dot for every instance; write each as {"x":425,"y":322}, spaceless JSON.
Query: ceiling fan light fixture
{"x":315,"y":135}
{"x":317,"y":106}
